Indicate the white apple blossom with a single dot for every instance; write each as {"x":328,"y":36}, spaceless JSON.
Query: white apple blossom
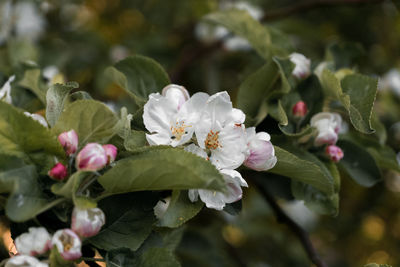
{"x":68,"y":244}
{"x":261,"y":152}
{"x":176,"y":93}
{"x":220,"y":131}
{"x":5,"y":91}
{"x":87,"y":222}
{"x":169,"y":123}
{"x":328,"y":126}
{"x":213,"y":199}
{"x":391,"y":80}
{"x":35,"y":242}
{"x":302,"y":65}
{"x":24,"y":261}
{"x":38,"y":118}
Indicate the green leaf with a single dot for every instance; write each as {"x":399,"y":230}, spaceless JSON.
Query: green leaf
{"x":129,"y":224}
{"x":253,"y":92}
{"x":357,"y":96}
{"x":180,"y":210}
{"x":161,"y":169}
{"x":277,"y":112}
{"x":56,"y":97}
{"x":303,"y":167}
{"x":241,"y":23}
{"x":316,"y":200}
{"x":20,"y":180}
{"x":120,"y":258}
{"x":32,"y":80}
{"x":143,"y":76}
{"x":21,"y":135}
{"x":155,"y":256}
{"x":359,"y":164}
{"x":92,"y":120}
{"x":362,"y":92}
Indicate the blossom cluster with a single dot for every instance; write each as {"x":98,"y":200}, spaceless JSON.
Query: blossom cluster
{"x":211,"y":128}
{"x":37,"y":241}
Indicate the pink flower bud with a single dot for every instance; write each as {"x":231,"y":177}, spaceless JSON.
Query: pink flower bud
{"x":300,"y":109}
{"x":328,"y":125}
{"x":261,"y":155}
{"x":111,"y":152}
{"x":92,"y":157}
{"x":87,"y":222}
{"x":177,"y":94}
{"x":58,"y":172}
{"x":335,"y":153}
{"x":68,"y":244}
{"x":69,"y":141}
{"x":35,"y":242}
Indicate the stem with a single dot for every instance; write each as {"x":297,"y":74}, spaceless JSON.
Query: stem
{"x":85,"y":185}
{"x":301,"y":234}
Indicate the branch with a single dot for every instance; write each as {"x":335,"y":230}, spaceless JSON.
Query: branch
{"x":301,"y":234}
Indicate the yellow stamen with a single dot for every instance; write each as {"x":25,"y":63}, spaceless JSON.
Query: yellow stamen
{"x":179,"y":130}
{"x":211,"y":141}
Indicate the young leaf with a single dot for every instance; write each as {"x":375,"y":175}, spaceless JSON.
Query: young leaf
{"x":303,"y":167}
{"x":92,"y":120}
{"x":56,"y":97}
{"x":161,"y":169}
{"x":143,"y":76}
{"x":21,"y":135}
{"x":33,"y":81}
{"x":180,"y":210}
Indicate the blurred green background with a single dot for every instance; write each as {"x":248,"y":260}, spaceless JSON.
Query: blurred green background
{"x":82,"y":38}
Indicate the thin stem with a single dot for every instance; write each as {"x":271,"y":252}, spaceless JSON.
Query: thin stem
{"x":301,"y":234}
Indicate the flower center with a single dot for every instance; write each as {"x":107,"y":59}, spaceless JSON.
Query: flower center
{"x":66,"y":240}
{"x":211,"y":141}
{"x":179,"y":130}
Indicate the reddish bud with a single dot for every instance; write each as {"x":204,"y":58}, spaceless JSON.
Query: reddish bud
{"x":69,"y":141}
{"x":92,"y":157}
{"x":300,"y":109}
{"x":335,"y":153}
{"x":58,"y":172}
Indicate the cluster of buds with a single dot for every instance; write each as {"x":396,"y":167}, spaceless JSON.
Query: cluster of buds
{"x":37,"y":242}
{"x":92,"y":157}
{"x":328,"y":126}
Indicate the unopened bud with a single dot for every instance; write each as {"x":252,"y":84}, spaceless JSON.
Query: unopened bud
{"x":87,"y":222}
{"x":335,"y":153}
{"x":69,"y":141}
{"x":176,"y":93}
{"x":24,"y":261}
{"x":261,"y":152}
{"x":300,"y":109}
{"x":328,"y":126}
{"x":58,"y":172}
{"x":302,"y":65}
{"x":111,"y":152}
{"x":92,"y":157}
{"x":35,"y":242}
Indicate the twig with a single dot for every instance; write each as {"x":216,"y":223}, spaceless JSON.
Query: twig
{"x":301,"y":234}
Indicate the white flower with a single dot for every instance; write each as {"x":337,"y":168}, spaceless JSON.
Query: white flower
{"x":53,"y":75}
{"x":213,"y":199}
{"x":169,"y":123}
{"x":87,"y":222}
{"x":220,"y":131}
{"x":302,"y":65}
{"x":38,"y":118}
{"x":328,"y":126}
{"x":33,"y":243}
{"x":5,"y":91}
{"x":67,"y":243}
{"x":391,"y":80}
{"x":176,"y":93}
{"x":25,"y":261}
{"x":29,"y":22}
{"x":161,"y":207}
{"x":261,"y":152}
